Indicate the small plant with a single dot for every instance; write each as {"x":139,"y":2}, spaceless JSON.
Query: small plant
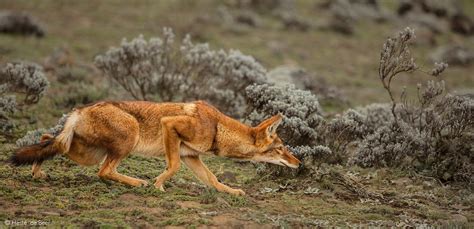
{"x":396,"y":58}
{"x":25,"y":80}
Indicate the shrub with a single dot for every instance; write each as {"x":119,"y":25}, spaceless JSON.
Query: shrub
{"x":304,"y":80}
{"x":453,"y":55}
{"x":20,"y":23}
{"x":353,"y":125}
{"x":302,"y":118}
{"x":33,"y":137}
{"x":80,"y":93}
{"x":301,"y":111}
{"x":25,"y":79}
{"x":159,"y":70}
{"x":431,"y":135}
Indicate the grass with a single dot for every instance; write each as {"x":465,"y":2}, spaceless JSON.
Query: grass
{"x":75,"y":196}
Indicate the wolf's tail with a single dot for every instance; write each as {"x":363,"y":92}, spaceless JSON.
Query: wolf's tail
{"x":48,"y":147}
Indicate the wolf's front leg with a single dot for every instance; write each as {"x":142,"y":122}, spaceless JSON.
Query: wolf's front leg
{"x":202,"y":172}
{"x":171,"y":140}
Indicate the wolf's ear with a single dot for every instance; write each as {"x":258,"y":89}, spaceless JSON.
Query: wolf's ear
{"x":270,"y":125}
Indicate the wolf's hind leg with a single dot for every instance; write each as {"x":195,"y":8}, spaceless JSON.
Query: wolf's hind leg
{"x":202,"y":173}
{"x":36,"y":171}
{"x":109,"y":171}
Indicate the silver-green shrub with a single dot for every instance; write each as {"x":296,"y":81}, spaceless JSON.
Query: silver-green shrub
{"x":302,"y":117}
{"x":301,"y":111}
{"x":34,"y":136}
{"x":25,"y":80}
{"x":20,"y":23}
{"x":433,"y":135}
{"x":159,"y":69}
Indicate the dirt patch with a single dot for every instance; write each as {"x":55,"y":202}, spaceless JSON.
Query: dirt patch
{"x":130,"y":198}
{"x":188,"y":204}
{"x":228,"y":221}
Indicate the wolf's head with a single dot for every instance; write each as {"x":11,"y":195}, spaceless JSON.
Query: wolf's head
{"x":269,"y":147}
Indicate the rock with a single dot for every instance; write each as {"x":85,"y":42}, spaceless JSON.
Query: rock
{"x":453,"y":55}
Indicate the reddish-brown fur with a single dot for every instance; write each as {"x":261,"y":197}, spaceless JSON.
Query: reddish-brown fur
{"x":110,"y":131}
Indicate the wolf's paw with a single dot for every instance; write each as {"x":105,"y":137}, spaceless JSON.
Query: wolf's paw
{"x":159,"y":186}
{"x":138,"y":182}
{"x":143,"y":183}
{"x":39,"y":175}
{"x":237,"y":192}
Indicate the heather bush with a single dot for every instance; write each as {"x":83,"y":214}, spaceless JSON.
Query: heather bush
{"x":34,"y":136}
{"x":20,"y":23}
{"x":80,"y":93}
{"x":299,"y":129}
{"x":301,"y":111}
{"x":25,"y":80}
{"x":453,"y":55}
{"x":311,"y":158}
{"x":350,"y":127}
{"x":266,"y":5}
{"x":304,"y":80}
{"x":433,"y":135}
{"x":346,"y":13}
{"x":159,"y":70}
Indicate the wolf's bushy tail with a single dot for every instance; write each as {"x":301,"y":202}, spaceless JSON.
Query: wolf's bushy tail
{"x":48,"y":147}
{"x":39,"y":152}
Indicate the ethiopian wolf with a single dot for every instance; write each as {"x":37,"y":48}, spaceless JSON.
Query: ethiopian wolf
{"x":109,"y":131}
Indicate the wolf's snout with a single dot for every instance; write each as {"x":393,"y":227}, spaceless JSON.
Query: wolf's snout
{"x":293,"y":162}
